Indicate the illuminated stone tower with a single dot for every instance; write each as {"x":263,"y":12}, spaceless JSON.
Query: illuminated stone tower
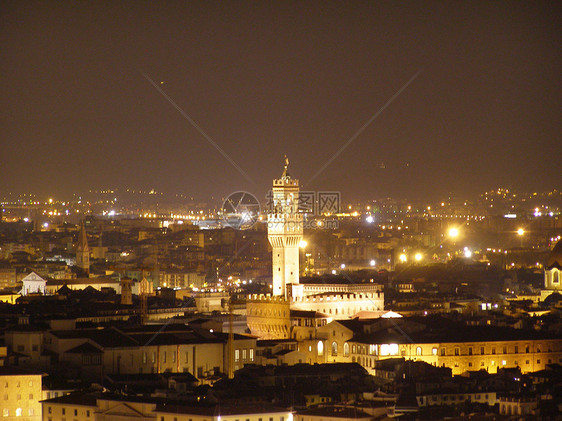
{"x":284,"y":231}
{"x":82,"y":250}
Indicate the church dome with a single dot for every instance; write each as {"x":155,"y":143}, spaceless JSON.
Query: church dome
{"x":555,"y":258}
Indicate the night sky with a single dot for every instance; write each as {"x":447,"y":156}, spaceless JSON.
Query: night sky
{"x":262,"y":79}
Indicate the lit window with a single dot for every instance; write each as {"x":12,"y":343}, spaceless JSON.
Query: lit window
{"x":236,"y":355}
{"x":434,"y":351}
{"x":320,"y":347}
{"x":418,"y":350}
{"x":18,"y":412}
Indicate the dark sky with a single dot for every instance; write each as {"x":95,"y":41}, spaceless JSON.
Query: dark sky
{"x":267,"y":78}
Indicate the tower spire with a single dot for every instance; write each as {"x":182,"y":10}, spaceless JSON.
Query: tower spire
{"x":286,"y":169}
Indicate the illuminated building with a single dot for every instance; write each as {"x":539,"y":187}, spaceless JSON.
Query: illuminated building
{"x":20,"y":393}
{"x":553,"y":272}
{"x":438,"y":342}
{"x":269,"y":316}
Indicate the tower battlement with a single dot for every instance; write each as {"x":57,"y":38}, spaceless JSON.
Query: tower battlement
{"x":267,"y":298}
{"x":283,"y":182}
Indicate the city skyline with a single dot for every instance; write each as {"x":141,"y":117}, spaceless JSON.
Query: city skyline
{"x":371,"y":99}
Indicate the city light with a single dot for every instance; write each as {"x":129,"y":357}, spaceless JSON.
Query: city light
{"x":372,"y":262}
{"x":303,"y":244}
{"x":370,"y":219}
{"x":520,"y":231}
{"x":453,"y":232}
{"x":342,"y":266}
{"x":418,"y":257}
{"x":403,"y":258}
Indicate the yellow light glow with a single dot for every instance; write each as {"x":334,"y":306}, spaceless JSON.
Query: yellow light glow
{"x":403,"y":258}
{"x":453,"y":232}
{"x":303,"y":244}
{"x":418,"y":257}
{"x":520,"y":231}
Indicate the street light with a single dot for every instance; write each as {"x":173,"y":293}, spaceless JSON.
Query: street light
{"x":418,"y":257}
{"x":520,"y":233}
{"x":303,"y":244}
{"x":453,"y":232}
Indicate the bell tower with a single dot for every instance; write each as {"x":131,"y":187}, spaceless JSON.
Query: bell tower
{"x":83,"y":250}
{"x":284,"y":231}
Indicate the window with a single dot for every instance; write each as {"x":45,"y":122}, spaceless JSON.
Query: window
{"x":153,"y":359}
{"x":334,"y":348}
{"x":481,"y":350}
{"x":418,"y":350}
{"x":434,"y":351}
{"x":31,"y":411}
{"x":470,"y":364}
{"x":493,"y":350}
{"x":504,"y":362}
{"x":236,"y":355}
{"x":526,"y":349}
{"x":88,"y":413}
{"x":320,"y":347}
{"x":50,"y":410}
{"x":244,"y":351}
{"x":457,"y":351}
{"x":505,"y":349}
{"x":144,"y":357}
{"x":174,"y":356}
{"x":75,"y":412}
{"x":346,"y":349}
{"x":31,"y":396}
{"x":251,"y":354}
{"x":164,"y":357}
{"x":442,"y":352}
{"x":6,"y":412}
{"x":516,"y":349}
{"x":63,"y":411}
{"x":186,"y":357}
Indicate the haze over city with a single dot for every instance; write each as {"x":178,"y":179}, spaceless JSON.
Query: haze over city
{"x":465,"y":95}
